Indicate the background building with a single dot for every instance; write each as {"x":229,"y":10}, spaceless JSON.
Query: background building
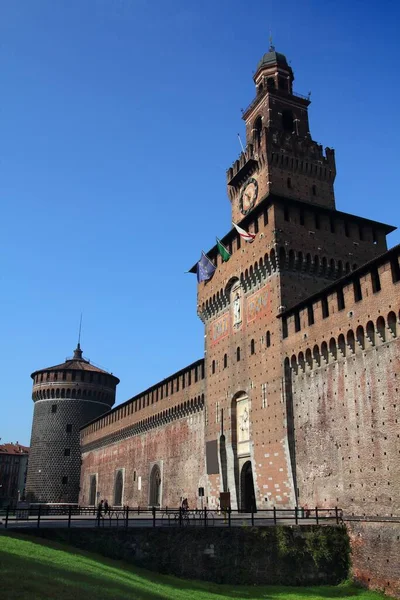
{"x":66,"y":397}
{"x":13,"y":470}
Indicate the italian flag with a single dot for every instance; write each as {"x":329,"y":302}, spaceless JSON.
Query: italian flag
{"x":223,"y":251}
{"x":245,"y":235}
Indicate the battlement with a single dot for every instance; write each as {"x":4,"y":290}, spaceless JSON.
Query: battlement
{"x":243,"y":166}
{"x":146,"y":403}
{"x":338,"y":309}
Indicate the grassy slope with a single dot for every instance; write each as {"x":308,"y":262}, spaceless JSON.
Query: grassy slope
{"x":31,"y":569}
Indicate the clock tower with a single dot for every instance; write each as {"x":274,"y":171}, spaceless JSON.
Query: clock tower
{"x":280,"y":156}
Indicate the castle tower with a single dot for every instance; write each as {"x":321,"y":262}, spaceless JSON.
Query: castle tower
{"x":281,"y":191}
{"x":280,"y":155}
{"x":66,"y":397}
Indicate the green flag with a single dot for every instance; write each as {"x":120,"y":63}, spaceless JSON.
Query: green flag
{"x":223,"y":251}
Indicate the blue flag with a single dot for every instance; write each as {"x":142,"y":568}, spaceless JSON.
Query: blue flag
{"x":205,"y":268}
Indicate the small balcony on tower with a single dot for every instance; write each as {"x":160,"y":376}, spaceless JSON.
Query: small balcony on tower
{"x":279,"y":93}
{"x":243,"y":167}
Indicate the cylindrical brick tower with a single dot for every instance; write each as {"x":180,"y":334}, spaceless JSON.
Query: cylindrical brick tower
{"x":66,"y":397}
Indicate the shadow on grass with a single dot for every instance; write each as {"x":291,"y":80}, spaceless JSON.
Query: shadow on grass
{"x":52,"y":570}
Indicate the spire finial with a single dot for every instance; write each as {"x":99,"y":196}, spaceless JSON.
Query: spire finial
{"x":271,"y":45}
{"x":80,"y":330}
{"x":78,"y":351}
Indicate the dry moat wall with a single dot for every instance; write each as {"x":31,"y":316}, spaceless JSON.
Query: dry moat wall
{"x":271,"y":555}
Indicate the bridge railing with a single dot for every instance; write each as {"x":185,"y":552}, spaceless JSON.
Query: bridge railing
{"x":44,"y":515}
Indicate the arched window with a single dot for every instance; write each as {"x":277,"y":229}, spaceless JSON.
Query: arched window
{"x":287,"y":120}
{"x":316,"y":355}
{"x":238,"y":354}
{"x":92,"y":490}
{"x":309,"y":359}
{"x":324,"y":352}
{"x":381,"y":328}
{"x":333,"y":348}
{"x":225,"y":361}
{"x":252,"y":347}
{"x":118,"y":488}
{"x":155,"y":486}
{"x":360,"y":336}
{"x":268,"y":339}
{"x":351,"y":341}
{"x":271,"y":83}
{"x":371,"y":333}
{"x":392,"y":324}
{"x":213,"y":367}
{"x":342,"y":344}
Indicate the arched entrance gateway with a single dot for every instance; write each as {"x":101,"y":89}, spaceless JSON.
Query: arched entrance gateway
{"x":248,"y":497}
{"x":155,"y":486}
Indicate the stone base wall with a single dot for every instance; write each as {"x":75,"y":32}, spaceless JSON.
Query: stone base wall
{"x":375,"y":555}
{"x":272,"y":555}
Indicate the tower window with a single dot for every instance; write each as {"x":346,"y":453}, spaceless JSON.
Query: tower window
{"x":287,"y":120}
{"x":325,"y":308}
{"x":376,"y":282}
{"x":289,"y":183}
{"x":64,"y":375}
{"x":257,"y":129}
{"x":340,"y":299}
{"x":54,"y":408}
{"x":271,"y":83}
{"x":225,"y":361}
{"x":357,"y":291}
{"x":395,"y":268}
{"x":252,"y":347}
{"x":268,"y":339}
{"x":238,"y":354}
{"x":286,"y":213}
{"x":282,"y":82}
{"x":284,"y":328}
{"x":310,"y":312}
{"x":213,"y":367}
{"x":297,"y":325}
{"x":314,"y":190}
{"x":67,"y":451}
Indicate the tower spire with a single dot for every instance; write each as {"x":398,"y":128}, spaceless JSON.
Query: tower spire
{"x":271,"y":45}
{"x":78,"y":351}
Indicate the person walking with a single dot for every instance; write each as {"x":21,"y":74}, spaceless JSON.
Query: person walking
{"x":100,"y":510}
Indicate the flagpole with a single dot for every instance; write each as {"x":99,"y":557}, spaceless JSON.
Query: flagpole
{"x":240,"y":142}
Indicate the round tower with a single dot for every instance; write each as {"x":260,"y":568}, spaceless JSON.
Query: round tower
{"x":66,"y":397}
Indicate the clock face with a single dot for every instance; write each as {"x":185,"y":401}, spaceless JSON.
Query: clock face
{"x":248,"y":196}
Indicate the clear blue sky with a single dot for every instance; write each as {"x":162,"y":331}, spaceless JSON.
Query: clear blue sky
{"x":118,"y":121}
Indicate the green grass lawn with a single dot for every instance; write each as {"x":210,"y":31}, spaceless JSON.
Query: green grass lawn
{"x":32,"y":569}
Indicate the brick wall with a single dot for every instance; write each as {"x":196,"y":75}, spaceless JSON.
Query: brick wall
{"x":375,"y":555}
{"x":162,"y":428}
{"x":343,"y":395}
{"x":175,"y":446}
